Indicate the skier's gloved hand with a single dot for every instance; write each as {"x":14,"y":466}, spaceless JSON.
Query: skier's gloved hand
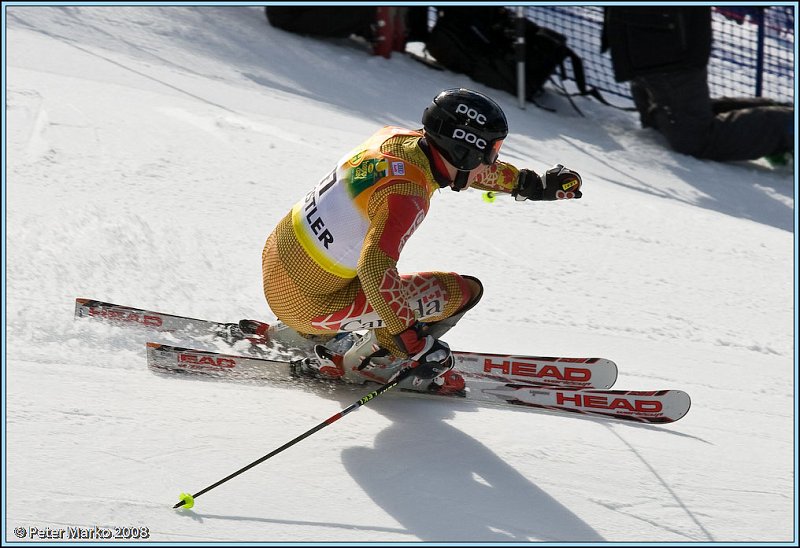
{"x":430,"y":356}
{"x":559,"y":183}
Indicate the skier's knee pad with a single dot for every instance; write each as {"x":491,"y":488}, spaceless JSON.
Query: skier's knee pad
{"x":474,"y":289}
{"x":476,"y":292}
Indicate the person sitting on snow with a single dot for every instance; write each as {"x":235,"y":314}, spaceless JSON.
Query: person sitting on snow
{"x":330,"y":265}
{"x":664,"y":52}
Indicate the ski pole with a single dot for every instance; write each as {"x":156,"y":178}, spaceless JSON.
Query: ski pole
{"x":188,"y":500}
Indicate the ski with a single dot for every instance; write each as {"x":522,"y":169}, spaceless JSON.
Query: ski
{"x":150,"y":319}
{"x":548,"y":371}
{"x":552,"y":371}
{"x":654,"y":407}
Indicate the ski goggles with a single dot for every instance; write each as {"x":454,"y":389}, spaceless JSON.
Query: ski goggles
{"x":472,"y":153}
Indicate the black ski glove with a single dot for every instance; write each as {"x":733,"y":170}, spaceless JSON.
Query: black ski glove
{"x":559,"y":183}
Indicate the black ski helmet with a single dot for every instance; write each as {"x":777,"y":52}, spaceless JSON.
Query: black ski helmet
{"x":466,"y":127}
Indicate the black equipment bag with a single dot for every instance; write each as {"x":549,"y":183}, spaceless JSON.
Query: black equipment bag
{"x":479,"y":42}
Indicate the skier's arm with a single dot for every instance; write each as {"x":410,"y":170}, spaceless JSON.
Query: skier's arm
{"x":499,"y":177}
{"x":558,"y":182}
{"x":395,"y":212}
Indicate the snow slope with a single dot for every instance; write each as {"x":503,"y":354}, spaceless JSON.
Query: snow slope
{"x":150,"y":152}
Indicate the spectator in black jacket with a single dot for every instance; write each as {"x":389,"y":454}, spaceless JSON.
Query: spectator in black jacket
{"x":663,"y":51}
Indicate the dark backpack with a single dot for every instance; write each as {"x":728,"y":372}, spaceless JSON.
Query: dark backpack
{"x":479,"y":42}
{"x":545,"y":53}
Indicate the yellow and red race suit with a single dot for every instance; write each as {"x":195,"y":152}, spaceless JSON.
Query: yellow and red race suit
{"x":331,"y":264}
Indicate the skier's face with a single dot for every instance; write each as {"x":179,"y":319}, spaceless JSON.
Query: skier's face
{"x":474,"y":175}
{"x":489,"y":160}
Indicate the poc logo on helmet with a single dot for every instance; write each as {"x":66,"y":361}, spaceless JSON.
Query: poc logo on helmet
{"x":471,"y":113}
{"x":471,"y":138}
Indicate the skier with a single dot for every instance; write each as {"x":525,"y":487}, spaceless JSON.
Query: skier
{"x":329,"y":267}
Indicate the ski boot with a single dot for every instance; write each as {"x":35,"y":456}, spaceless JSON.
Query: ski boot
{"x":324,"y":364}
{"x":344,"y":358}
{"x":254,"y":328}
{"x":245,"y":330}
{"x":450,"y":383}
{"x":256,"y":332}
{"x":281,"y":338}
{"x":366,"y":360}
